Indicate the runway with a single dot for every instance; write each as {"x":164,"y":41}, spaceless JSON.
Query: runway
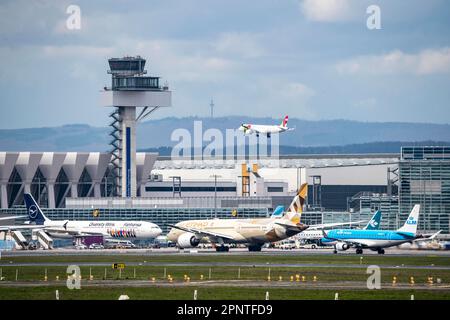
{"x":204,"y":252}
{"x":218,"y":264}
{"x":341,"y":285}
{"x":235,"y":270}
{"x":175,"y":258}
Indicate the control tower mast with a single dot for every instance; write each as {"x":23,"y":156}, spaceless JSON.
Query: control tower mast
{"x":130,"y":90}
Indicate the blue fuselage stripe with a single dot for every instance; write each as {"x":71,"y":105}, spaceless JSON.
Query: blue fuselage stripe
{"x":346,"y":234}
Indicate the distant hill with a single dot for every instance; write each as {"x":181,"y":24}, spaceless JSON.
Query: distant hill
{"x":343,"y":135}
{"x":371,"y":147}
{"x":65,"y":138}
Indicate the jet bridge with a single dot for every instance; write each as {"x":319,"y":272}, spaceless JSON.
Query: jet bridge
{"x":21,"y":241}
{"x":43,"y":238}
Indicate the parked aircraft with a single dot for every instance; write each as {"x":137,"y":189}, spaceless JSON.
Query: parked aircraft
{"x":70,"y":228}
{"x":316,"y":235}
{"x":376,"y":240}
{"x":253,"y":232}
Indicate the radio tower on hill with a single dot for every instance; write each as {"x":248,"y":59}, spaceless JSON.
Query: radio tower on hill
{"x":211,"y":105}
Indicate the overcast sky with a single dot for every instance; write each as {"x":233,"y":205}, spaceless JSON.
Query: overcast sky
{"x":311,"y":59}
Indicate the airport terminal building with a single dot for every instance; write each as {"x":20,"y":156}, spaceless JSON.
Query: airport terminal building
{"x":125,"y":184}
{"x":341,"y":187}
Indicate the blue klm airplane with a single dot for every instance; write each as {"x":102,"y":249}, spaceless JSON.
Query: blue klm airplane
{"x":376,"y":240}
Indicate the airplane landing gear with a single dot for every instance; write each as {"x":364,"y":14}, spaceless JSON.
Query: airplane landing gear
{"x":359,"y":251}
{"x":335,"y":251}
{"x":255,"y":247}
{"x":222,"y":248}
{"x":380,"y":251}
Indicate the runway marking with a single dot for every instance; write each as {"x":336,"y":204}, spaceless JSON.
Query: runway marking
{"x":219,"y":264}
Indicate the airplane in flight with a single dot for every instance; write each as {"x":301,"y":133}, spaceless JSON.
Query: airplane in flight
{"x":70,"y":228}
{"x":254,"y":232}
{"x":316,"y":235}
{"x":376,"y":240}
{"x":249,"y":128}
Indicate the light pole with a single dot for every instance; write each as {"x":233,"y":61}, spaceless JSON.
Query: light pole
{"x":106,"y":186}
{"x":39,"y":190}
{"x":215,"y":193}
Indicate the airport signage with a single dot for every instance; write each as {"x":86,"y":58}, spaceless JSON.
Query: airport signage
{"x":118,"y":265}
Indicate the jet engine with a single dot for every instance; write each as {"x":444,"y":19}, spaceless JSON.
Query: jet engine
{"x":188,"y":240}
{"x":342,"y":246}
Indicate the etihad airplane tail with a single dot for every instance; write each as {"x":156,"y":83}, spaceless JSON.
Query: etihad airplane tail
{"x":410,"y":226}
{"x":33,"y":210}
{"x":296,"y":208}
{"x":284,"y":122}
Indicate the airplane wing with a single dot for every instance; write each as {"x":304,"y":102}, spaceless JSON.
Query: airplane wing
{"x":293,"y":227}
{"x":20,"y":227}
{"x":330,"y":225}
{"x":202,"y":233}
{"x":72,"y":232}
{"x":428,"y":237}
{"x":13,"y":217}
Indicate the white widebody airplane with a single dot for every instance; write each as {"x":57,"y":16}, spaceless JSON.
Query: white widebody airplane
{"x":69,"y":229}
{"x":253,"y":232}
{"x":249,"y":128}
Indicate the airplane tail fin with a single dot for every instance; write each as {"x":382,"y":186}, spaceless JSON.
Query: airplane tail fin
{"x":34,"y":211}
{"x":296,"y":207}
{"x":285,"y":121}
{"x":374,"y":223}
{"x":410,"y":225}
{"x":278,"y":212}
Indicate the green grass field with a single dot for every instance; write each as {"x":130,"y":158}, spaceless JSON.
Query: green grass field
{"x":250,"y":258}
{"x":33,"y":273}
{"x":325,"y":274}
{"x":216,"y":293}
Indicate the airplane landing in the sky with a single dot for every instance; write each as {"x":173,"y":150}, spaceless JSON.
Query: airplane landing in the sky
{"x":249,"y":128}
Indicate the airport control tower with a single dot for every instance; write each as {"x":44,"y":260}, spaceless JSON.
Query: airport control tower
{"x":130,"y":90}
